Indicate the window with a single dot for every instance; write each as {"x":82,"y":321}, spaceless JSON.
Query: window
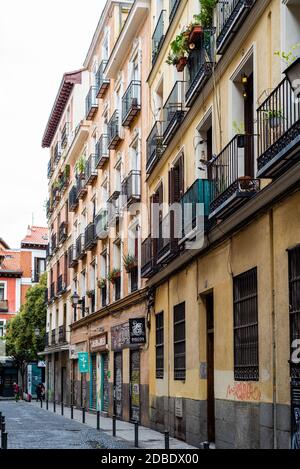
{"x":159,"y":323}
{"x":245,"y":327}
{"x":294,"y":295}
{"x":2,"y":292}
{"x":2,"y":328}
{"x":176,"y":181}
{"x":179,"y":342}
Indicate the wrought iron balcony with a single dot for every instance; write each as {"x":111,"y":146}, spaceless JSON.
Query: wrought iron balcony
{"x":173,"y":112}
{"x":131,"y":187}
{"x":49,"y":208}
{"x":64,"y":179}
{"x":278,"y":120}
{"x":62,"y":232}
{"x":72,"y":260}
{"x":91,"y":103}
{"x":158,"y":35}
{"x":62,"y":337}
{"x":47,"y":339}
{"x":3,"y":306}
{"x":195,"y":205}
{"x":81,"y":186}
{"x":101,"y":83}
{"x":53,"y":337}
{"x":200,"y":66}
{"x":232,"y":183}
{"x":57,"y":152}
{"x":54,"y":245}
{"x":102,"y":153}
{"x":80,"y":247}
{"x":73,"y":199}
{"x":174,"y":4}
{"x":91,"y":172}
{"x":90,"y":239}
{"x":154,"y":147}
{"x":113,"y":205}
{"x":131,"y":103}
{"x":113,"y":131}
{"x":48,"y":251}
{"x":230,"y":16}
{"x":167,"y":242}
{"x":101,"y":227}
{"x":50,"y":170}
{"x":65,"y":135}
{"x":149,"y":266}
{"x":52,"y":291}
{"x":61,"y":284}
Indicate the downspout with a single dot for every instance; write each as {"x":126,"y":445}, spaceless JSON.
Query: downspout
{"x":169,"y":353}
{"x":273,"y":317}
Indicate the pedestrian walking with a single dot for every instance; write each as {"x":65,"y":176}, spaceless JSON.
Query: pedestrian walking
{"x":16,"y":390}
{"x":39,"y":392}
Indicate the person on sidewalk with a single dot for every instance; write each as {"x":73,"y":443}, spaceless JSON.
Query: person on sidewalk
{"x":38,"y":391}
{"x":16,"y":391}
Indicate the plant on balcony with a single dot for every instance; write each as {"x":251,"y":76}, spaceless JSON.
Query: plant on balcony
{"x":101,"y":283}
{"x":90,"y":293}
{"x":206,"y":15}
{"x":274,"y":118}
{"x":239,"y":128}
{"x":114,"y":275}
{"x":80,"y":166}
{"x":288,"y":57}
{"x":130,"y":262}
{"x":179,"y":52}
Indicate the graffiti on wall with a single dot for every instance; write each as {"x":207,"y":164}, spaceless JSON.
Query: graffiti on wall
{"x":244,"y":391}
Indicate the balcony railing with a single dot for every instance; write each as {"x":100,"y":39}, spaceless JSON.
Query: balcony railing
{"x":91,"y":172}
{"x":168,"y":237}
{"x":3,"y":306}
{"x":50,"y":170}
{"x":174,"y":4}
{"x":173,"y":112}
{"x":101,"y":228}
{"x":230,"y":16}
{"x":195,"y":205}
{"x":62,"y":232}
{"x":278,"y":120}
{"x":148,"y":267}
{"x":113,"y":131}
{"x":158,"y":35}
{"x":233,"y":182}
{"x":90,"y":239}
{"x":54,"y":245}
{"x":154,"y":148}
{"x":72,"y":260}
{"x":131,"y":187}
{"x":48,"y":251}
{"x":52,"y":291}
{"x":65,"y":135}
{"x":80,"y":247}
{"x":61,"y":284}
{"x":101,"y":83}
{"x":57,"y":152}
{"x":53,"y":337}
{"x":91,"y":103}
{"x":49,"y":208}
{"x":200,"y":66}
{"x":131,"y":103}
{"x":81,"y":186}
{"x":47,"y":339}
{"x":113,"y":205}
{"x":62,"y":337}
{"x":73,"y":199}
{"x":102,"y":153}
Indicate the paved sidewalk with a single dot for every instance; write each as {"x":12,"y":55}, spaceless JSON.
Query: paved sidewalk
{"x":148,"y":439}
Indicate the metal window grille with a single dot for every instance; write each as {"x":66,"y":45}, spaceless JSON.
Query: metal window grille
{"x":159,"y":318}
{"x":179,"y":342}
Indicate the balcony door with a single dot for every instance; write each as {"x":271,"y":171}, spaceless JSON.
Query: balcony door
{"x":210,"y":368}
{"x":249,"y":126}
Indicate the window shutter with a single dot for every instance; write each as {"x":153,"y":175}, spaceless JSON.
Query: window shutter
{"x":171,"y":186}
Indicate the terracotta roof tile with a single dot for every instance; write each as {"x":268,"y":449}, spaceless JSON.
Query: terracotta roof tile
{"x":10,"y":261}
{"x":36,"y":235}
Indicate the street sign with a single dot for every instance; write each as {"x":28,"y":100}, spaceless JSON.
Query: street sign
{"x":83,"y":360}
{"x":137,"y":331}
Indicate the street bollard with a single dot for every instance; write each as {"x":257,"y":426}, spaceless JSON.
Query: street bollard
{"x":3,"y":424}
{"x":136,"y":434}
{"x":62,"y":408}
{"x":47,"y":404}
{"x":83,"y":415}
{"x":54,"y":406}
{"x":167,"y":440}
{"x":114,"y":425}
{"x":72,"y":412}
{"x":41,"y":403}
{"x":98,"y":419}
{"x":4,"y":440}
{"x":206,"y":445}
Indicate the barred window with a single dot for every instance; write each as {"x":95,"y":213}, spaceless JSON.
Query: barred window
{"x":246,"y":364}
{"x":179,"y":342}
{"x":294,"y":299}
{"x":159,"y":318}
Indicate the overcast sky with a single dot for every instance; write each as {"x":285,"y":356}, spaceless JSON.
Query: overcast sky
{"x":39,"y":41}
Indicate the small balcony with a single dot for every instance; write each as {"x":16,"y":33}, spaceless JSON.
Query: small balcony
{"x":57,"y":152}
{"x":48,"y":251}
{"x":113,"y":131}
{"x":168,"y":237}
{"x":200,"y":66}
{"x":62,"y":232}
{"x":102,"y":153}
{"x":174,"y":4}
{"x":72,"y":260}
{"x":61,"y":284}
{"x":50,"y":169}
{"x":173,"y":112}
{"x":65,"y":135}
{"x":53,"y":337}
{"x":131,"y":187}
{"x":279,"y":132}
{"x":195,"y":205}
{"x":158,"y":35}
{"x":113,"y":205}
{"x":62,"y":337}
{"x":131,"y":103}
{"x":47,"y":339}
{"x":49,"y":208}
{"x":3,"y":306}
{"x":52,"y":291}
{"x":148,"y":267}
{"x":154,"y":147}
{"x":54,"y":245}
{"x":230,"y":15}
{"x":90,"y":239}
{"x":91,"y":172}
{"x":81,"y":186}
{"x":91,"y":103}
{"x":233,"y":183}
{"x":101,"y":82}
{"x":80,"y":247}
{"x":73,"y":199}
{"x":101,"y":227}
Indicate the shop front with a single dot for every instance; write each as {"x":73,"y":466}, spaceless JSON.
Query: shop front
{"x":99,"y":373}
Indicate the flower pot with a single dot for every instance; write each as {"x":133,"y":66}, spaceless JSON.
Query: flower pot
{"x":245,"y":183}
{"x":181,"y":64}
{"x":195,"y":33}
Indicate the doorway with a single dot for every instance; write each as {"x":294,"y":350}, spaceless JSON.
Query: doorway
{"x":210,"y":368}
{"x":93,"y":383}
{"x":118,"y":381}
{"x":105,"y":383}
{"x":134,"y":386}
{"x":62,"y":384}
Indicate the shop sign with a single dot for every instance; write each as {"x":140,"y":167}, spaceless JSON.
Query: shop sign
{"x":120,"y":336}
{"x":137,"y":330}
{"x":98,"y":343}
{"x":83,"y":361}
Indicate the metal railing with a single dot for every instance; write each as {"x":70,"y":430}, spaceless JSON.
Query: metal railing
{"x":158,"y":35}
{"x":65,"y":135}
{"x":101,"y":82}
{"x":80,"y":247}
{"x":131,"y":186}
{"x":53,"y":337}
{"x":101,"y":150}
{"x":91,"y":104}
{"x":57,"y":152}
{"x":101,"y":224}
{"x":50,"y":169}
{"x":131,"y":102}
{"x":73,"y":199}
{"x":154,"y":146}
{"x":90,"y":169}
{"x":62,"y":336}
{"x":195,"y":205}
{"x":53,"y":242}
{"x":61,"y":284}
{"x":81,"y":186}
{"x":52,"y":291}
{"x":148,"y":258}
{"x":113,"y":130}
{"x":90,"y":238}
{"x":173,"y":110}
{"x":72,"y":261}
{"x":62,"y":232}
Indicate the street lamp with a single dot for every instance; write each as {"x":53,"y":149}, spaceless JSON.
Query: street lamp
{"x":292,"y":73}
{"x":75,"y":301}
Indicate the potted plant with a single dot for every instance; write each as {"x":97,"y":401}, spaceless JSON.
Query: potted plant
{"x":102,"y":283}
{"x":245,"y":183}
{"x":113,"y":275}
{"x":206,"y":15}
{"x":90,"y":293}
{"x":130,"y":261}
{"x":80,"y":166}
{"x":195,"y":30}
{"x":239,"y":128}
{"x":274,"y":118}
{"x":292,"y":61}
{"x":56,"y":188}
{"x":178,"y":55}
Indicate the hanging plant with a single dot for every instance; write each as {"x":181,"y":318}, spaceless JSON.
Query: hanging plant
{"x":101,"y":283}
{"x":113,"y":275}
{"x":179,"y":52}
{"x":206,"y":15}
{"x":130,"y":262}
{"x":90,"y":293}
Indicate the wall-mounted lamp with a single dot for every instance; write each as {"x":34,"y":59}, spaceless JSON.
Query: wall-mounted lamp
{"x":244,"y":79}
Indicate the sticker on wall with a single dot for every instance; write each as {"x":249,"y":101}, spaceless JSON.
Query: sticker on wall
{"x":83,"y":361}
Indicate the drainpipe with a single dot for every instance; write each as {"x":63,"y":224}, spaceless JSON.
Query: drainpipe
{"x":271,"y":226}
